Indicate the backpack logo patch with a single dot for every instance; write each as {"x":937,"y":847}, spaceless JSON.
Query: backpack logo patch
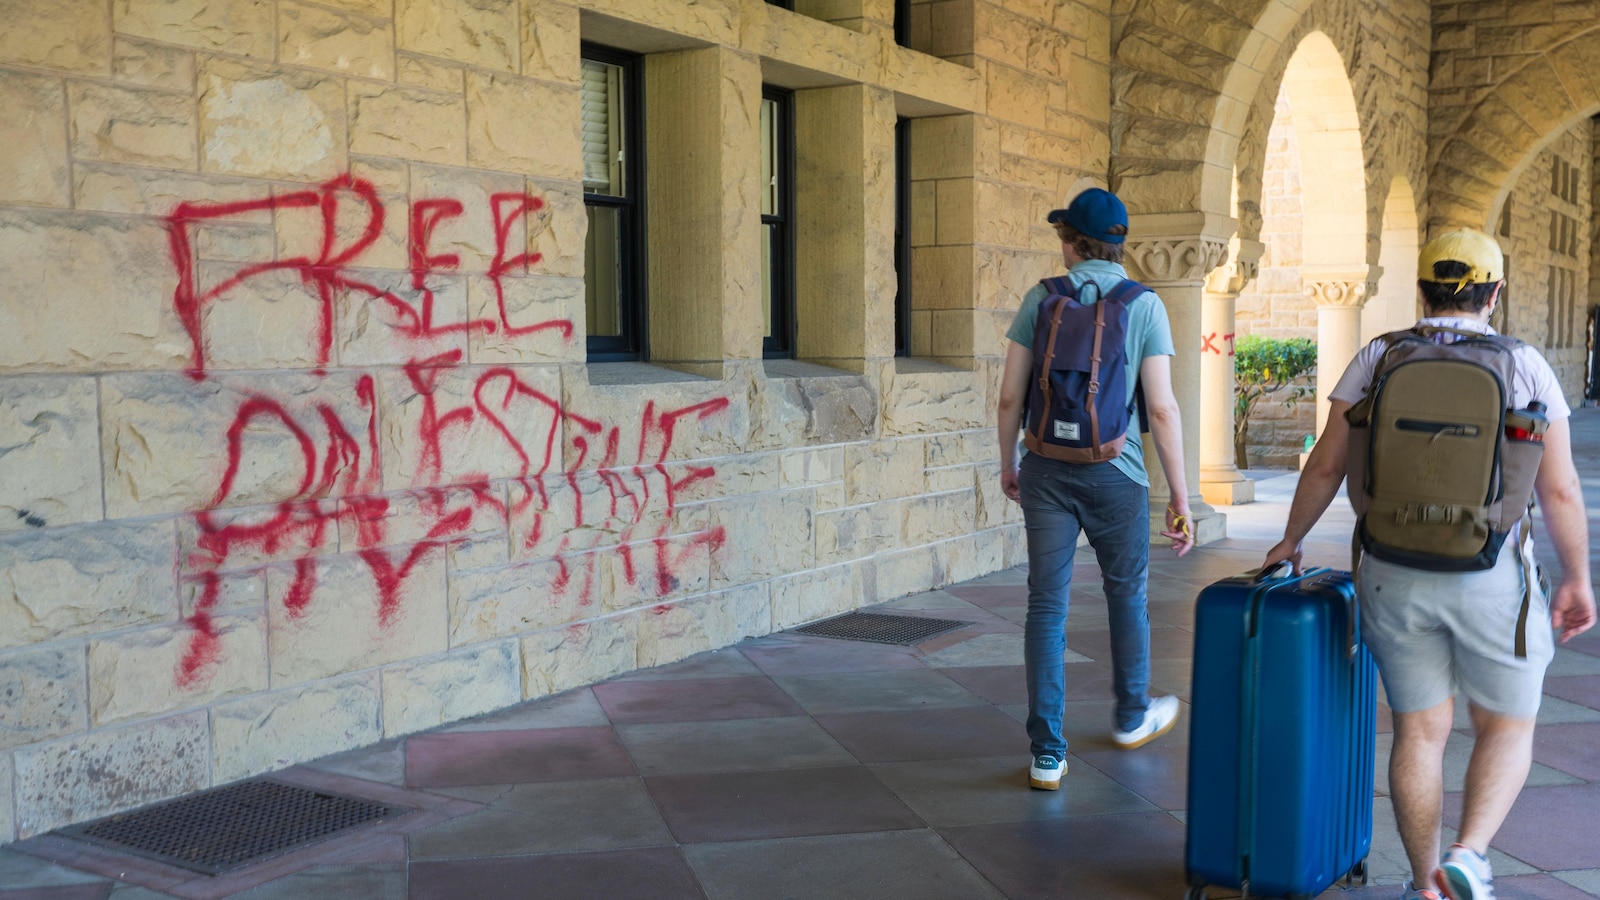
{"x":1066,"y":431}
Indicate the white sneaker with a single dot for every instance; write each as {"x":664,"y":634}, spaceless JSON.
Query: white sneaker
{"x":1159,"y":717}
{"x":1045,"y":773}
{"x":1464,"y":875}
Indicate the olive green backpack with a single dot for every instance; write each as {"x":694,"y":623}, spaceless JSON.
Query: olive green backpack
{"x":1434,"y":479}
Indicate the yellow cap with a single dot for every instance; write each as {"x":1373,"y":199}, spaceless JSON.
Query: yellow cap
{"x":1479,"y":252}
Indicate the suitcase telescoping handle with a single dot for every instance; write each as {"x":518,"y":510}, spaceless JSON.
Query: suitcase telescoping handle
{"x":1284,"y":571}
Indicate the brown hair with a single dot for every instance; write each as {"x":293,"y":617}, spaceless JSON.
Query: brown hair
{"x":1088,"y":247}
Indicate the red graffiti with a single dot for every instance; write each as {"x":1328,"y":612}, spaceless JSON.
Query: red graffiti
{"x":1208,"y":344}
{"x":330,"y":271}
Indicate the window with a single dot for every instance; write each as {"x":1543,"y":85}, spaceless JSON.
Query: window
{"x":785,"y":4}
{"x":614,"y":266}
{"x":902,"y":237}
{"x":777,"y":226}
{"x":902,"y":22}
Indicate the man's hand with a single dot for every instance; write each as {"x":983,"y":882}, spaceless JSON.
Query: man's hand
{"x":1180,"y":528}
{"x":1285,"y":551}
{"x":1572,"y":609}
{"x":1010,"y":486}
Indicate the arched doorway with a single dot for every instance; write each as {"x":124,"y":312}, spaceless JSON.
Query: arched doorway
{"x":1394,"y":306}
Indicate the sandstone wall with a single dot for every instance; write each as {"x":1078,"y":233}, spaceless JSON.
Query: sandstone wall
{"x":1546,"y":233}
{"x":301,"y":450}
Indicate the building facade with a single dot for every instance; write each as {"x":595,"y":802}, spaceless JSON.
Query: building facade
{"x":367,"y":365}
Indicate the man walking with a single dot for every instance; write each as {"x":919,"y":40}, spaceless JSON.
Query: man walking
{"x":1434,"y":633}
{"x":1104,"y":489}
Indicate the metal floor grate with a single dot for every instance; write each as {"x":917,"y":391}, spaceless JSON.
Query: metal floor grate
{"x":230,"y":827}
{"x":880,"y":628}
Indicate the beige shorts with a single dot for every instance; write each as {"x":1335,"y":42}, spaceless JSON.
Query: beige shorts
{"x":1436,"y":633}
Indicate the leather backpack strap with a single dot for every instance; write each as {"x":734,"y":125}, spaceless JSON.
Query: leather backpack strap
{"x":1044,"y":368}
{"x":1094,"y":377}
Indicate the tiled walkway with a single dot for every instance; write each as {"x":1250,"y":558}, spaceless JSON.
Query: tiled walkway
{"x":792,"y":766}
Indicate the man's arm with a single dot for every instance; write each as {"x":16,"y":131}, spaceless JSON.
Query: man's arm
{"x":1166,"y":428}
{"x":1561,"y":502}
{"x":1319,"y":484}
{"x":1013,"y":393}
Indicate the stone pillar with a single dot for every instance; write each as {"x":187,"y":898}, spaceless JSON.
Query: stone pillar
{"x":1339,"y":294}
{"x":1221,"y":482}
{"x":1173,"y":253}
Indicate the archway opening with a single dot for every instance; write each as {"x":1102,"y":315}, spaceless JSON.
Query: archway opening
{"x":1394,"y":306}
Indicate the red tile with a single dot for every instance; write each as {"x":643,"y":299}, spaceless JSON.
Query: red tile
{"x":1583,"y":690}
{"x":787,"y":803}
{"x":693,"y":700}
{"x":653,"y":874}
{"x":1104,"y":857}
{"x":1550,"y":828}
{"x":1572,"y":748}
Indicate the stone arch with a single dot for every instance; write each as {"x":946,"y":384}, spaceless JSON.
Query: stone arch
{"x":1328,"y":130}
{"x":1394,"y":305}
{"x":1475,"y":167}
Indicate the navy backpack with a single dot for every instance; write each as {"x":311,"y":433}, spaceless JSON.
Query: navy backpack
{"x":1076,"y":410}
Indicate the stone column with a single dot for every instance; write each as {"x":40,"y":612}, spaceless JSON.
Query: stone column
{"x":1339,"y":293}
{"x":1221,"y":482}
{"x":1173,"y":253}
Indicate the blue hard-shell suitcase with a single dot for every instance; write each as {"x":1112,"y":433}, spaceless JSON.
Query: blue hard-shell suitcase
{"x":1281,"y":736}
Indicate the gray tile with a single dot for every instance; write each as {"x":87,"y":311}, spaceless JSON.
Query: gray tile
{"x":987,"y":650}
{"x":1555,"y":711}
{"x":596,"y":814}
{"x":1582,"y":879}
{"x":135,"y":892}
{"x":875,"y":691}
{"x":573,"y":709}
{"x":925,"y":600}
{"x":742,"y":745}
{"x":992,"y":789}
{"x":334,"y":883}
{"x":1571,"y":662}
{"x":914,"y":865}
{"x":1457,"y":753}
{"x":384,"y":762}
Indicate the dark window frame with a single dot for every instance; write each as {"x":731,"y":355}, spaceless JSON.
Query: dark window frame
{"x":782,"y":4}
{"x":902,"y":22}
{"x":902,"y":237}
{"x":781,"y":343}
{"x":633,"y":281}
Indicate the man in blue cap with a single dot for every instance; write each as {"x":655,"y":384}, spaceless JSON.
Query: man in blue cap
{"x":1102,"y":492}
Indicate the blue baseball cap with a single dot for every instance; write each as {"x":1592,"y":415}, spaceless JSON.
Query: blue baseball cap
{"x":1092,"y":214}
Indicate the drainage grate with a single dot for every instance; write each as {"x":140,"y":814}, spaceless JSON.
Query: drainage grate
{"x":229,"y":827}
{"x":880,"y":628}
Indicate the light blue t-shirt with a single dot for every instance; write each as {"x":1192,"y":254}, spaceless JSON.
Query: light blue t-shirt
{"x":1149,"y":334}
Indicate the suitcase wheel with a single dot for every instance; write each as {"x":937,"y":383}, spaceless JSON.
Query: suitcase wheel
{"x":1357,"y":873}
{"x":1198,"y":892}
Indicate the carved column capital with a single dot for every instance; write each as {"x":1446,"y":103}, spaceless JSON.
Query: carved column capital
{"x":1340,"y":288}
{"x":1242,"y":267}
{"x":1168,"y":260}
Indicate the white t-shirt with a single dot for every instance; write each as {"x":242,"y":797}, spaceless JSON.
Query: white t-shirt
{"x":1535,"y":380}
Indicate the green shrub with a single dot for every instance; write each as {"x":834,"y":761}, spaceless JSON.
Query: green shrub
{"x":1263,"y":366}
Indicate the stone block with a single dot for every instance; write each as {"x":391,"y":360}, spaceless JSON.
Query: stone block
{"x":8,"y":819}
{"x":271,"y":320}
{"x":154,"y":66}
{"x":917,"y":403}
{"x":484,"y":552}
{"x":384,"y":327}
{"x":33,"y":141}
{"x":447,"y":515}
{"x":517,"y":124}
{"x":908,"y":572}
{"x":145,"y":673}
{"x":271,"y":731}
{"x":96,"y":774}
{"x":666,"y":422}
{"x":442,"y":426}
{"x":541,"y":312}
{"x":942,"y":147}
{"x":808,"y":467}
{"x":43,"y":694}
{"x":239,"y":27}
{"x":72,"y":35}
{"x":554,"y":661}
{"x":857,"y":532}
{"x":408,"y":123}
{"x":459,"y":685}
{"x":670,"y":632}
{"x":149,"y":128}
{"x":973,"y":555}
{"x":992,"y":508}
{"x":660,"y":568}
{"x":937,"y":517}
{"x":232,"y":592}
{"x":557,"y":229}
{"x":109,"y":308}
{"x":271,"y":123}
{"x":550,"y":34}
{"x":476,"y":32}
{"x":808,"y":596}
{"x":169,"y":442}
{"x":489,"y":233}
{"x":215,"y":545}
{"x":763,"y":536}
{"x":340,"y":41}
{"x":942,"y":277}
{"x":362,"y":610}
{"x":149,"y":192}
{"x":524,"y":597}
{"x":50,"y":474}
{"x":69,"y":582}
{"x":1015,"y":95}
{"x":423,"y":72}
{"x":884,"y":470}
